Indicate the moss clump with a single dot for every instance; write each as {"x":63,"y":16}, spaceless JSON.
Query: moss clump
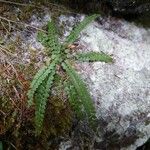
{"x":58,"y":118}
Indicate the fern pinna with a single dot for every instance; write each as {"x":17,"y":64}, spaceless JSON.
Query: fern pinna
{"x":76,"y":89}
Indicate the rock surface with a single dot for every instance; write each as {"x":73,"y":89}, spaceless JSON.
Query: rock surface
{"x":130,"y":6}
{"x":121,"y":90}
{"x":119,"y":6}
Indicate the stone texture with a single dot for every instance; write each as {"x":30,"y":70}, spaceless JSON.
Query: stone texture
{"x":121,"y":91}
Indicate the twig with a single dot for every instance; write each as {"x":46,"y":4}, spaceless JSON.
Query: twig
{"x":17,"y":29}
{"x":13,"y":68}
{"x":4,"y":49}
{"x":16,"y":92}
{"x":34,"y":5}
{"x":14,"y":104}
{"x":2,"y":112}
{"x":25,"y":24}
{"x":4,"y":26}
{"x":11,"y":144}
{"x":15,"y":3}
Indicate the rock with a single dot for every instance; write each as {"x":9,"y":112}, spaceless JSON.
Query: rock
{"x":119,"y":6}
{"x":130,"y":6}
{"x":121,"y":91}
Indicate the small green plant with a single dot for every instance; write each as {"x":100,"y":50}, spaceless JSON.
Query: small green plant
{"x":75,"y":88}
{"x":1,"y":146}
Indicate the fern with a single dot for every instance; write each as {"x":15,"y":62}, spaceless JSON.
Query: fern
{"x":43,"y":39}
{"x":78,"y":94}
{"x":32,"y":87}
{"x":41,"y":99}
{"x":74,"y":100}
{"x":41,"y":84}
{"x":38,"y":79}
{"x":75,"y":33}
{"x":82,"y":91}
{"x":40,"y":106}
{"x":94,"y":56}
{"x":50,"y":40}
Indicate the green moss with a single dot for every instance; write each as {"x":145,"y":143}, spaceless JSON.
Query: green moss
{"x":7,"y":115}
{"x":58,"y":118}
{"x":147,"y":122}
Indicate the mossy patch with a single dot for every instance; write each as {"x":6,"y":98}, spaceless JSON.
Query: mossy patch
{"x":19,"y":62}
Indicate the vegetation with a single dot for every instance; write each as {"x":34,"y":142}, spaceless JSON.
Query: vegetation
{"x":19,"y":62}
{"x":61,"y":60}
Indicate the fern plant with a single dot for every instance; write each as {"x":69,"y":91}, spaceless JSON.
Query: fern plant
{"x":76,"y":89}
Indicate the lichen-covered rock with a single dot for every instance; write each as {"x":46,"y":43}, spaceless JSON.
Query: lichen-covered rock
{"x":121,"y":91}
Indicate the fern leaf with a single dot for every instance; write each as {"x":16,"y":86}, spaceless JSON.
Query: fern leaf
{"x":54,"y":44}
{"x":50,"y":40}
{"x":74,"y":100}
{"x":42,"y":38}
{"x":76,"y":32}
{"x":52,"y":30}
{"x":82,"y":92}
{"x":38,"y":79}
{"x":94,"y":56}
{"x":40,"y":106}
{"x":30,"y":93}
{"x":41,"y":97}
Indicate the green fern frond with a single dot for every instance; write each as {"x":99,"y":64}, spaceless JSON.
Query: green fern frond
{"x":52,"y":30}
{"x":38,"y":79}
{"x":94,"y":56}
{"x":82,"y":91}
{"x":42,"y":38}
{"x":77,"y":91}
{"x":50,"y":40}
{"x":74,"y":100}
{"x":76,"y":32}
{"x":41,"y":97}
{"x":40,"y":106}
{"x":32,"y":90}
